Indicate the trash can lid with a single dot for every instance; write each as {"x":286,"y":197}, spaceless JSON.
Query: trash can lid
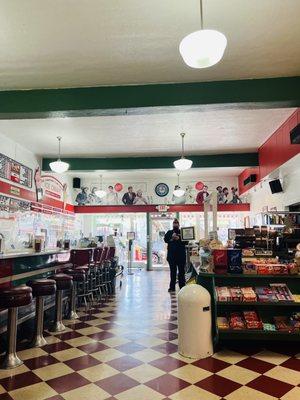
{"x":194,"y":293}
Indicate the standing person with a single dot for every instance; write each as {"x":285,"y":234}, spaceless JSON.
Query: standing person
{"x":176,"y":256}
{"x":220,"y":195}
{"x":235,"y":197}
{"x":129,"y":196}
{"x":225,"y":194}
{"x":139,"y":199}
{"x":202,"y":195}
{"x":111,"y":197}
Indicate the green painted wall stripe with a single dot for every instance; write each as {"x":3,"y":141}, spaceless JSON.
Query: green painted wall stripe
{"x":283,"y":92}
{"x":203,"y":161}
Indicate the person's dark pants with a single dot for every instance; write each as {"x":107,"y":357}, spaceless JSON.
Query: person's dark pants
{"x":174,"y":265}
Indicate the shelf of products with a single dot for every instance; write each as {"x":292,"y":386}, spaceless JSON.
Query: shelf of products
{"x":266,"y":310}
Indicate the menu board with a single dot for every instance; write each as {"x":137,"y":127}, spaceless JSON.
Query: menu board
{"x":15,"y":172}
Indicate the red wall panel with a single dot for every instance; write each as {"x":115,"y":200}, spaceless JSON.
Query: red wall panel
{"x":275,"y":151}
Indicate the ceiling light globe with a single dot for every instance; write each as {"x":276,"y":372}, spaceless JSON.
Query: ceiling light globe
{"x":183,"y":164}
{"x":100,"y":193}
{"x":202,"y":49}
{"x":179,"y":192}
{"x":59,"y":166}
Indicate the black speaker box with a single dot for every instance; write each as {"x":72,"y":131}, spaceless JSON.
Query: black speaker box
{"x":76,"y":183}
{"x":251,"y":178}
{"x":275,"y":186}
{"x":295,"y":135}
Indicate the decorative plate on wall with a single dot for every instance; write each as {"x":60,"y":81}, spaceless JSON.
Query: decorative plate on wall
{"x":161,"y":189}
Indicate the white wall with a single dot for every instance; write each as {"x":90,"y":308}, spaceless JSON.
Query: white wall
{"x":260,"y":195}
{"x":21,"y":154}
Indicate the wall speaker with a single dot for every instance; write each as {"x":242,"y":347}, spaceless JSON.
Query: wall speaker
{"x":295,"y":135}
{"x":76,"y":183}
{"x":251,"y":178}
{"x":275,"y":186}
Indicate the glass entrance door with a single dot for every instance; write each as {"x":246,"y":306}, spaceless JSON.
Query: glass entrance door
{"x":160,"y":224}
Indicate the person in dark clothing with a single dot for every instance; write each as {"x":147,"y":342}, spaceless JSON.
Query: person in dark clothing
{"x":176,"y":256}
{"x":128,"y":197}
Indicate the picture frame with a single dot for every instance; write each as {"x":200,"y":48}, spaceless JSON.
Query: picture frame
{"x":130,"y":235}
{"x":188,"y":233}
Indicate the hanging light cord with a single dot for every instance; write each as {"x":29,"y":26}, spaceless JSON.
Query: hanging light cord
{"x":59,"y":139}
{"x":182,"y":144}
{"x":201,"y":15}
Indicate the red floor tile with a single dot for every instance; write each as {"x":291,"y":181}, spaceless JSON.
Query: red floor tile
{"x":218,"y":385}
{"x":169,"y":326}
{"x":79,"y":325}
{"x":166,"y":348}
{"x":167,"y":336}
{"x":130,"y":348}
{"x":69,"y":335}
{"x":167,"y":363}
{"x":124,"y":363}
{"x":87,"y":318}
{"x":39,"y":362}
{"x":5,"y":396}
{"x":54,"y":347}
{"x":58,"y":397}
{"x":292,"y":363}
{"x":255,"y":365}
{"x":167,"y":384}
{"x":93,"y":347}
{"x":270,"y":386}
{"x":82,"y":362}
{"x":117,"y":384}
{"x":19,"y":381}
{"x":67,"y":382}
{"x":211,"y":364}
{"x":101,"y":335}
{"x":108,"y":326}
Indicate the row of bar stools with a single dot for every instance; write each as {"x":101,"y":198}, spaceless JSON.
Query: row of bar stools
{"x":40,"y":289}
{"x":12,"y":298}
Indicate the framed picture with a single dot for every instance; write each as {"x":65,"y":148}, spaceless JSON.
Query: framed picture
{"x":130,"y":235}
{"x":188,"y":233}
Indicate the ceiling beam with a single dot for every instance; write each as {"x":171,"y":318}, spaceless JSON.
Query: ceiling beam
{"x":202,"y":161}
{"x":116,"y":100}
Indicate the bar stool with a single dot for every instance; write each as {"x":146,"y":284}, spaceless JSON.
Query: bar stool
{"x":12,"y":298}
{"x":83,"y":288}
{"x":63,"y":282}
{"x":79,"y":276}
{"x":40,"y":289}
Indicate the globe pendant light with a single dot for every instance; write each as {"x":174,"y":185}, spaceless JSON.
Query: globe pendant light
{"x":178,"y":192}
{"x":100,"y":192}
{"x":183,"y":163}
{"x":204,"y":48}
{"x":59,"y":166}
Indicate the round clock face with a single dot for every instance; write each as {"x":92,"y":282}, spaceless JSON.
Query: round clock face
{"x":161,"y":189}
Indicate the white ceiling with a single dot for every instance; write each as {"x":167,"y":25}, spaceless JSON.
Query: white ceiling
{"x":63,"y":43}
{"x":221,"y":131}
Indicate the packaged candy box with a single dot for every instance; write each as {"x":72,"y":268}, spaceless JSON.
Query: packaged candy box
{"x":252,"y":320}
{"x":222,"y":323}
{"x":236,"y":321}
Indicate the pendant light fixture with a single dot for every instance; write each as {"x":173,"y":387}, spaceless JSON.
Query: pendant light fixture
{"x":59,"y":166}
{"x":100,"y":192}
{"x":178,"y":192}
{"x":183,"y":163}
{"x":204,"y":48}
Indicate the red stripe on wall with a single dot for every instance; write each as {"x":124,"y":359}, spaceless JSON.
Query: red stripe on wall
{"x":152,"y":208}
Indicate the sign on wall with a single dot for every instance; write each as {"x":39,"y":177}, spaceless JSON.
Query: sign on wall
{"x":15,"y":171}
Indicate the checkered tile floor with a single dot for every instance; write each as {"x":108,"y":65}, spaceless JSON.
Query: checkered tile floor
{"x":127,"y":350}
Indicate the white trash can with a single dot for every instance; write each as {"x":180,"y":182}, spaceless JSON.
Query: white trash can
{"x":194,"y":322}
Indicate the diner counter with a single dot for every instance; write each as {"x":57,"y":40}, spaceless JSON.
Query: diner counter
{"x":29,"y":253}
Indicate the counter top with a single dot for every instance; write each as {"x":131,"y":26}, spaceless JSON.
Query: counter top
{"x":29,"y":253}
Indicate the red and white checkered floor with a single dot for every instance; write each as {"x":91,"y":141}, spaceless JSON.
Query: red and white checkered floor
{"x":127,"y":350}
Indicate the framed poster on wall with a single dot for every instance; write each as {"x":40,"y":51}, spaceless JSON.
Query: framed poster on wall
{"x":15,"y":172}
